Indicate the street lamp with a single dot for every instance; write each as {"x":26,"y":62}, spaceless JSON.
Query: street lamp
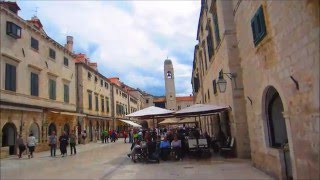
{"x":222,"y":83}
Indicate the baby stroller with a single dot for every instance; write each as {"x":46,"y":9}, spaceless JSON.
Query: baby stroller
{"x":141,"y":155}
{"x":147,"y":153}
{"x":153,"y":152}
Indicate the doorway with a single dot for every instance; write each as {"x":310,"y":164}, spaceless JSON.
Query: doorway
{"x":9,"y":135}
{"x":277,"y":131}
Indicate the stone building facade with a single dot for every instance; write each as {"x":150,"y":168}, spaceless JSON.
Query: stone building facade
{"x":37,"y":82}
{"x":94,"y":99}
{"x":45,"y":87}
{"x":278,"y":43}
{"x":273,"y":47}
{"x":216,"y":58}
{"x":124,"y":101}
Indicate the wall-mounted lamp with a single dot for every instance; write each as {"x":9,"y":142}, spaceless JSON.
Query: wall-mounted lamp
{"x":222,"y":83}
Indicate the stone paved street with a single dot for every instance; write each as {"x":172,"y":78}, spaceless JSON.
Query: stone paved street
{"x":109,"y":161}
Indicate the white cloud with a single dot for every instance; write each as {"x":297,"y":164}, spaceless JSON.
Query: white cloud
{"x":125,"y":39}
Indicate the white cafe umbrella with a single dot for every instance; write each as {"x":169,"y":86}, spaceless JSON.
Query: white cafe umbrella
{"x":200,"y":109}
{"x":150,"y":112}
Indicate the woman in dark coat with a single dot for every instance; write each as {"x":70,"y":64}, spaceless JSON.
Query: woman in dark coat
{"x":63,"y":139}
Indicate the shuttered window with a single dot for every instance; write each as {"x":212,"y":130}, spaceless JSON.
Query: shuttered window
{"x":66,"y":61}
{"x":258,"y":26}
{"x":196,"y":84}
{"x":216,"y":28}
{"x":66,"y":92}
{"x":210,"y":44}
{"x":102,"y":104}
{"x":52,"y":89}
{"x":52,"y":53}
{"x":13,"y":30}
{"x":34,"y":84}
{"x":107,"y":104}
{"x":214,"y":85}
{"x":90,"y":100}
{"x":34,"y":43}
{"x":10,"y":81}
{"x":97,"y":103}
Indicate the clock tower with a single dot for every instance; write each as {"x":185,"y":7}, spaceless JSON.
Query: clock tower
{"x":171,"y":103}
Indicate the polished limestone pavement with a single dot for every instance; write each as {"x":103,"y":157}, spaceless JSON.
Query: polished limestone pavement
{"x":109,"y":161}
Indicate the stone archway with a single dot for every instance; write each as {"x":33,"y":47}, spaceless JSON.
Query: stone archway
{"x":9,"y":136}
{"x":52,"y":127}
{"x":34,"y":129}
{"x":66,"y":128}
{"x":276,"y":126}
{"x":144,"y":124}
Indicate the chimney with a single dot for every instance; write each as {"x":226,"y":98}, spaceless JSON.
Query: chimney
{"x":69,"y":44}
{"x":94,"y":66}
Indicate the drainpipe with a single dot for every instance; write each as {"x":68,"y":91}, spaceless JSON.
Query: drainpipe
{"x":21,"y":123}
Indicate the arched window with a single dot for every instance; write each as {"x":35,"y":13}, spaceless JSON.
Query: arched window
{"x":66,"y":128}
{"x":9,"y":135}
{"x":34,"y":128}
{"x":52,"y":127}
{"x":275,"y":120}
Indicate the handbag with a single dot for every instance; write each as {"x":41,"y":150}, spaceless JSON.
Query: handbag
{"x":23,"y":147}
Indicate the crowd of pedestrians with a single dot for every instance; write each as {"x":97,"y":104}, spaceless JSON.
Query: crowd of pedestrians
{"x":166,"y":140}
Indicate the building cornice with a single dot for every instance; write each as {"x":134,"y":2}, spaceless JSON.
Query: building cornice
{"x":42,"y":34}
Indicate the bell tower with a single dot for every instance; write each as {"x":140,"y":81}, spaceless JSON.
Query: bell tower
{"x":171,"y":103}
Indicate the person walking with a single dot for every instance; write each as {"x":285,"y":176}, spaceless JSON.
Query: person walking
{"x":113,"y":136}
{"x":72,"y":140}
{"x":130,"y":136}
{"x":102,"y":137}
{"x":53,"y":143}
{"x":106,"y":136}
{"x":125,"y":135}
{"x":63,"y":139}
{"x":21,"y":145}
{"x":84,"y":136}
{"x":31,"y":143}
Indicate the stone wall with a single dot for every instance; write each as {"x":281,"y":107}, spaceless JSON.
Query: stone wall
{"x":289,"y":50}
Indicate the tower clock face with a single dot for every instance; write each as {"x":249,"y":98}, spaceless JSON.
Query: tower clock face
{"x":171,"y":96}
{"x":169,"y":75}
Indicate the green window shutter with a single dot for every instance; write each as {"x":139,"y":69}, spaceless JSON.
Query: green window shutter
{"x":97,"y":103}
{"x":10,"y":81}
{"x":216,"y":28}
{"x":54,"y":90}
{"x":258,"y":26}
{"x":210,"y":44}
{"x":262,"y":22}
{"x":66,"y":93}
{"x":34,"y":84}
{"x":253,"y":28}
{"x":90,"y":100}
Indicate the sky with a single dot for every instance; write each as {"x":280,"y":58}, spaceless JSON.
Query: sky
{"x":128,"y":39}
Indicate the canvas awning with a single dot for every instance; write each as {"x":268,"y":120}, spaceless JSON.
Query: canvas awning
{"x":130,"y":122}
{"x":170,"y":121}
{"x":99,"y":117}
{"x":150,"y":112}
{"x":69,"y":113}
{"x":73,"y":114}
{"x":200,"y":109}
{"x":20,"y":108}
